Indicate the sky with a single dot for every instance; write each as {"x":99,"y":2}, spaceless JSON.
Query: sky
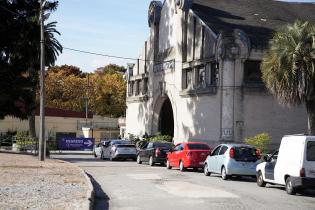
{"x":112,"y":27}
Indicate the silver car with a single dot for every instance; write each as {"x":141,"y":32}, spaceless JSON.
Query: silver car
{"x":119,"y":149}
{"x":232,"y":160}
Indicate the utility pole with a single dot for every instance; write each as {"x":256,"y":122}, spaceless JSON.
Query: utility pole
{"x":42,"y":140}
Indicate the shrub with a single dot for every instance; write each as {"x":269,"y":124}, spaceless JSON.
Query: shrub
{"x":160,"y":137}
{"x":260,"y":141}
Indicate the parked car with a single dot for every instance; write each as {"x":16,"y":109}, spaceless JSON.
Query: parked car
{"x":119,"y":149}
{"x":154,"y":152}
{"x":188,"y":155}
{"x":293,"y":166}
{"x":98,"y":148}
{"x":232,"y":160}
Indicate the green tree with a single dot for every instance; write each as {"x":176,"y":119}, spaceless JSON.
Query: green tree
{"x":20,"y":50}
{"x":288,"y":68}
{"x":260,"y":141}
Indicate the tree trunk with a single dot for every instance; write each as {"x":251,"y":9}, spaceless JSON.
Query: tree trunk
{"x":31,"y":124}
{"x":310,"y":107}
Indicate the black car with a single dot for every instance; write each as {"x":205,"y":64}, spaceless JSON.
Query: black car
{"x":154,"y":152}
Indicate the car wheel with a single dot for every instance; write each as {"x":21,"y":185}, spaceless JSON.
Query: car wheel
{"x":260,"y":180}
{"x":139,"y":159}
{"x":206,"y":170}
{"x":151,"y":163}
{"x":168,"y":165}
{"x":289,"y":186}
{"x":224,"y":176}
{"x":181,"y":166}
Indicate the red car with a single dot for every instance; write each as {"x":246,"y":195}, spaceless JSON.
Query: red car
{"x":188,"y":155}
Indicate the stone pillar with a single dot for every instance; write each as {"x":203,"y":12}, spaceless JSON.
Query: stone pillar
{"x":227,"y":92}
{"x":232,"y":49}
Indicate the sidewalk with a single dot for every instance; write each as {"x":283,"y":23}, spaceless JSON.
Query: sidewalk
{"x":26,"y":183}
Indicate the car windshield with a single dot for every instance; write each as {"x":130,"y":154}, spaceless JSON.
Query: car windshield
{"x":163,"y":145}
{"x":198,"y":147}
{"x":120,"y":142}
{"x":310,"y":153}
{"x":125,"y":145}
{"x":245,"y":154}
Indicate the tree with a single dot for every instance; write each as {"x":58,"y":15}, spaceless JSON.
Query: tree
{"x":65,"y":88}
{"x":67,"y":70}
{"x":19,"y":54}
{"x":110,"y":94}
{"x":288,"y":68}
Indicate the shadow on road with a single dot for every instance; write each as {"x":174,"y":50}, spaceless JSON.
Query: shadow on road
{"x":101,"y":200}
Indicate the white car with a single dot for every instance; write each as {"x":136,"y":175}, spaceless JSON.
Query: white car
{"x":293,"y":166}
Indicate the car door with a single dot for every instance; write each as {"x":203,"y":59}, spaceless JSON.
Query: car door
{"x":141,"y":150}
{"x":221,"y":158}
{"x":98,"y":150}
{"x":212,"y":160}
{"x":147,"y":151}
{"x":270,"y":166}
{"x":106,"y":150}
{"x":172,"y":155}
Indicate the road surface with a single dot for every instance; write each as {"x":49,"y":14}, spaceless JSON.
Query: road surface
{"x":129,"y":186}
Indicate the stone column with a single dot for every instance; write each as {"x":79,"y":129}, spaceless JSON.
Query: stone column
{"x":227,"y":93}
{"x":231,"y":50}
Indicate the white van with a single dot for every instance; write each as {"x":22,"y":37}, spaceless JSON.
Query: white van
{"x":293,"y":166}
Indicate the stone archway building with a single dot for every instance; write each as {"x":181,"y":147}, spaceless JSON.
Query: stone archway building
{"x":204,"y":55}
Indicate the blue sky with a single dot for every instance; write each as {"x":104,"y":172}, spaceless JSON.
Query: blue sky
{"x":115,"y":27}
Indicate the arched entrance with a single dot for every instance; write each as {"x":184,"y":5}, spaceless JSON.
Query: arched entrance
{"x":166,"y":119}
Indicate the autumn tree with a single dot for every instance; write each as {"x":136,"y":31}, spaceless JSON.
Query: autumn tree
{"x":66,"y":87}
{"x":110,"y":90}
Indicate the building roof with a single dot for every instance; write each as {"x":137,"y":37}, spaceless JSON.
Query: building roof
{"x":258,"y":18}
{"x":54,"y":112}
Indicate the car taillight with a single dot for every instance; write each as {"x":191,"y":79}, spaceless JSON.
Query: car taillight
{"x":302,"y":172}
{"x":258,"y":153}
{"x":157,"y":152}
{"x":232,"y":153}
{"x":189,"y":154}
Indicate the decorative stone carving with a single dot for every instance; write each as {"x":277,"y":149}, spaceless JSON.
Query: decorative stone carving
{"x":154,"y":13}
{"x":242,"y":40}
{"x":232,"y":45}
{"x":184,"y":4}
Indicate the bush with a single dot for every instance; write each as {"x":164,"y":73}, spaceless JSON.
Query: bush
{"x":260,"y":141}
{"x":160,"y":137}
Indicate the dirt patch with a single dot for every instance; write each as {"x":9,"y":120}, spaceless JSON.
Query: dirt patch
{"x":26,"y":183}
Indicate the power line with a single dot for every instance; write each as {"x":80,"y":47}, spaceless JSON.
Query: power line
{"x":100,"y":54}
{"x":112,"y":56}
{"x":10,"y":11}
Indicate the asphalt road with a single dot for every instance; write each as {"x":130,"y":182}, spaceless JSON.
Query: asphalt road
{"x":129,"y":186}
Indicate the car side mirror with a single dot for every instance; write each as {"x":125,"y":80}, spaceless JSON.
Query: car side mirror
{"x":266,"y":158}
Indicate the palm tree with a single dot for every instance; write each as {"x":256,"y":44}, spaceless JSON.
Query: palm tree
{"x":52,"y":50}
{"x":288,"y":68}
{"x":31,"y":50}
